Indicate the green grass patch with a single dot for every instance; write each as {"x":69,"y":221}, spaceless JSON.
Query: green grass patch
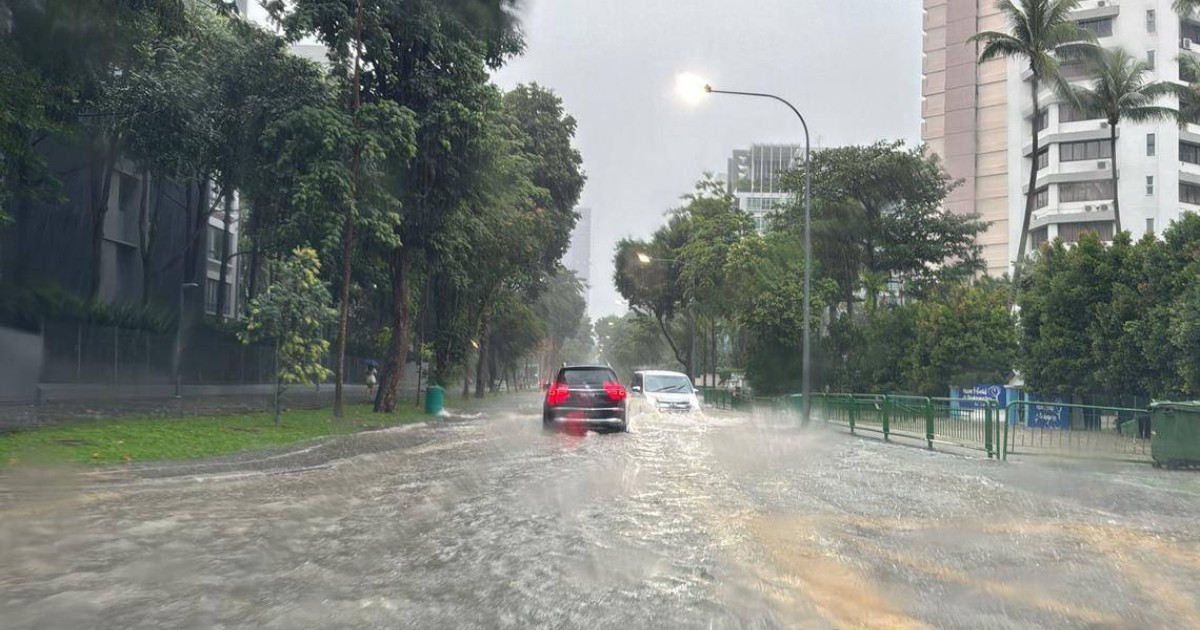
{"x":132,"y":439}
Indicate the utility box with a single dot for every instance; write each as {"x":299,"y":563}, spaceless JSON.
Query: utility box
{"x":435,"y":399}
{"x":1175,"y":434}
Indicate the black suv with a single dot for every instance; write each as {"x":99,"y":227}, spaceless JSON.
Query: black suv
{"x":587,"y":397}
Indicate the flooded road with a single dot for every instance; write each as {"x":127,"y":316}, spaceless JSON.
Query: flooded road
{"x":726,"y":521}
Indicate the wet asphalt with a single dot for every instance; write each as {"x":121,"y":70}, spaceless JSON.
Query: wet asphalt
{"x":714,"y":521}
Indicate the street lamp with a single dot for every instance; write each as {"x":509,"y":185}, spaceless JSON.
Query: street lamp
{"x":179,"y":334}
{"x":691,"y":89}
{"x":645,"y":259}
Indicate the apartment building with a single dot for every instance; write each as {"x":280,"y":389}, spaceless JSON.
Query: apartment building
{"x":1158,"y":163}
{"x":964,"y":109}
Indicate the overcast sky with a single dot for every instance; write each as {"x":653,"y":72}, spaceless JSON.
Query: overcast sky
{"x":852,"y":67}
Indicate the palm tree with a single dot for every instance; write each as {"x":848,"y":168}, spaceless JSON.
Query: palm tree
{"x":1189,"y":99}
{"x":1040,"y":33}
{"x":1185,"y":7}
{"x":1120,"y":92}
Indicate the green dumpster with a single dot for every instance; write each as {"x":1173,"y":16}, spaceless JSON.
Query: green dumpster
{"x":435,"y":399}
{"x":1175,"y":434}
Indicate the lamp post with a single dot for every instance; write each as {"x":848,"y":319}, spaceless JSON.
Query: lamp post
{"x":693,"y":88}
{"x":179,"y":335}
{"x":645,"y":259}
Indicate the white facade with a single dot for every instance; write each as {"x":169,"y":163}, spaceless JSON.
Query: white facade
{"x":1074,"y":195}
{"x":755,"y":177}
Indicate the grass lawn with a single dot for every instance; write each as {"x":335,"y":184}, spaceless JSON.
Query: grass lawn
{"x":148,"y":438}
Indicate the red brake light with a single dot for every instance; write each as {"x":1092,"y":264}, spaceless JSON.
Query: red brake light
{"x":615,"y":391}
{"x":557,"y":394}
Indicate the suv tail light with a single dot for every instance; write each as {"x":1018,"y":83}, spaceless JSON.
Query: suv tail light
{"x":615,"y":391}
{"x":557,"y":394}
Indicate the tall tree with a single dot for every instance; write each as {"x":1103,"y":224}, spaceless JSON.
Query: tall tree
{"x":1040,"y":33}
{"x":1122,"y":93}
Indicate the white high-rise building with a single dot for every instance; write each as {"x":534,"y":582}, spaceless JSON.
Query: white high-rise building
{"x":1158,"y":164}
{"x":579,"y":253}
{"x":755,"y":177}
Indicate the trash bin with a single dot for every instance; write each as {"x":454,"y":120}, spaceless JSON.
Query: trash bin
{"x":1175,"y":434}
{"x":435,"y":399}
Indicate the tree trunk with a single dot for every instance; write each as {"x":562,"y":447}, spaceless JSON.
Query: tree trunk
{"x":1112,"y":143}
{"x":1023,"y":237}
{"x":481,"y":367}
{"x":223,"y":277}
{"x":252,"y":275}
{"x":713,"y":339}
{"x":397,"y":354}
{"x":100,"y":186}
{"x":145,"y":236}
{"x":195,"y":244}
{"x":339,"y":367}
{"x":671,"y":342}
{"x":466,"y":379}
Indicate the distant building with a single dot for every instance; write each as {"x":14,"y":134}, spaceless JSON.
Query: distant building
{"x":755,"y":177}
{"x":579,"y":254}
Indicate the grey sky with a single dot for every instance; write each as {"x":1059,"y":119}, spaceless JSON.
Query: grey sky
{"x":852,"y":67}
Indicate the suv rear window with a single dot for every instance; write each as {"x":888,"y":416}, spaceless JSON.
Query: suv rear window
{"x":586,"y":377}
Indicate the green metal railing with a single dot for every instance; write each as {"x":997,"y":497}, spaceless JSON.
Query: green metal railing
{"x":1054,"y":428}
{"x":1024,"y":427}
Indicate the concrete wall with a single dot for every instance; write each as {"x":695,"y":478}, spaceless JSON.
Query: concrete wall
{"x":21,"y":365}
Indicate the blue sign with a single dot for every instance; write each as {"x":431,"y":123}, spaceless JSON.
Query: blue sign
{"x":996,"y":393}
{"x":1051,"y":416}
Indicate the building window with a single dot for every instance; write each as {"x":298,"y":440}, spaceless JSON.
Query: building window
{"x":1039,"y":236}
{"x":1043,"y":158}
{"x":1100,"y":27}
{"x":1085,"y":150}
{"x":210,"y":296}
{"x":215,"y":236}
{"x":1041,"y":198}
{"x":1150,"y":59}
{"x":1189,"y":153}
{"x":1151,"y":21}
{"x":1189,"y":193}
{"x":1070,"y":232}
{"x":1074,"y":70}
{"x":1070,"y":113}
{"x":1189,"y":30}
{"x":1095,"y":190}
{"x":1150,"y":226}
{"x":1043,"y":119}
{"x":1149,"y":185}
{"x":1151,"y":145}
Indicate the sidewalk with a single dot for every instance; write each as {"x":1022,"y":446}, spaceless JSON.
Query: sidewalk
{"x":65,"y":403}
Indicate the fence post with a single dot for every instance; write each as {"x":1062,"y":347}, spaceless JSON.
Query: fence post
{"x":852,"y":412}
{"x":929,"y":422}
{"x":987,"y":429}
{"x":886,"y":411}
{"x":78,"y":352}
{"x":1004,"y":441}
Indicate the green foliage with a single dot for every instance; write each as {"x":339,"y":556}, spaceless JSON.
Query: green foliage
{"x":27,"y":308}
{"x":877,"y":210}
{"x":631,"y":342}
{"x":965,"y":337}
{"x":1118,"y":320}
{"x":292,"y":314}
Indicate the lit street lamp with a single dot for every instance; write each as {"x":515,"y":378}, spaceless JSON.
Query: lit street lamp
{"x":692,"y":89}
{"x":646,"y":259}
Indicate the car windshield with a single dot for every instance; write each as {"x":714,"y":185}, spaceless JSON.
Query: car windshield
{"x":667,"y":383}
{"x":587,"y":377}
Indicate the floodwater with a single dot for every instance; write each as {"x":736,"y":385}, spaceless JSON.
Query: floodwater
{"x":721,"y":521}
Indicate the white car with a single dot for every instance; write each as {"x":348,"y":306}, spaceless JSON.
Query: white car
{"x":659,"y":390}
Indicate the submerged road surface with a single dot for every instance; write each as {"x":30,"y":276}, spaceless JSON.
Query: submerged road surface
{"x":725,"y":521}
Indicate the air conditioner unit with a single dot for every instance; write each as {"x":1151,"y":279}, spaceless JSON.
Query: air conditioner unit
{"x":1102,"y":165}
{"x":1187,"y":43}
